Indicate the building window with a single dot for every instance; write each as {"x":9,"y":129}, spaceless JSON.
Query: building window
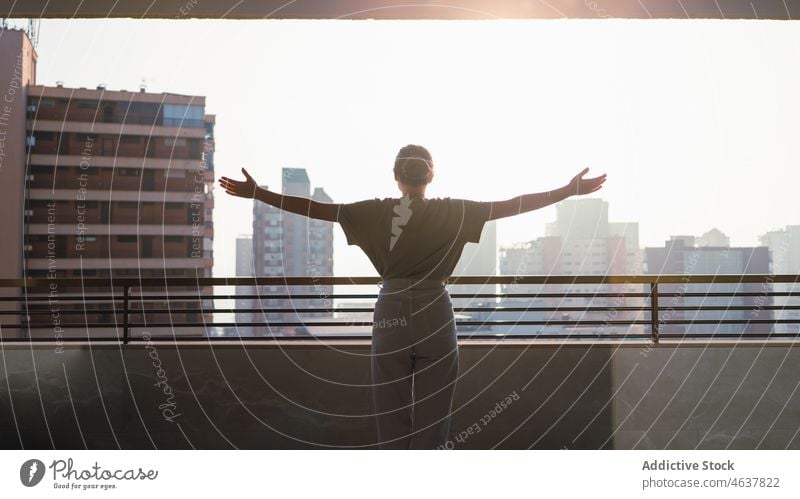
{"x":173,"y":173}
{"x":173,"y":206}
{"x":128,"y":172}
{"x":38,"y":136}
{"x":47,"y":103}
{"x":173,"y":239}
{"x":87,"y":104}
{"x":126,"y":239}
{"x":173,"y":142}
{"x":130,"y":139}
{"x":41,"y":169}
{"x":128,"y":204}
{"x":183,"y":115}
{"x":41,"y":203}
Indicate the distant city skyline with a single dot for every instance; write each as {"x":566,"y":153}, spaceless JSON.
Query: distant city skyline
{"x":694,"y":121}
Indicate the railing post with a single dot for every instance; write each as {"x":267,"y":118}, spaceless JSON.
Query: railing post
{"x":125,"y":325}
{"x":654,"y":311}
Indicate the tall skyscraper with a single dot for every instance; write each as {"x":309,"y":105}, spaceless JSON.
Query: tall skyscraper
{"x":292,"y":245}
{"x":116,"y":184}
{"x":581,"y":241}
{"x":680,"y":256}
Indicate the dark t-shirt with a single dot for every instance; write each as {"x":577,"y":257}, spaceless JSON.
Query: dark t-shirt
{"x":414,"y":238}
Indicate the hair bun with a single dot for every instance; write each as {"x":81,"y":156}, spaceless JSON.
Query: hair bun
{"x":414,"y":165}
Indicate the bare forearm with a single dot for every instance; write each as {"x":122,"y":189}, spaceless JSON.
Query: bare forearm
{"x":299,"y":205}
{"x":528,"y":202}
{"x":534,"y":201}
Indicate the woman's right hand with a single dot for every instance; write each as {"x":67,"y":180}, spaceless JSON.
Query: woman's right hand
{"x":242,"y":188}
{"x":579,"y":186}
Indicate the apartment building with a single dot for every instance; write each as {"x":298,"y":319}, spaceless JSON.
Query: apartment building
{"x":109,"y":183}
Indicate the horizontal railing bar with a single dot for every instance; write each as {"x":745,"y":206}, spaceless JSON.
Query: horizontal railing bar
{"x":71,"y":339}
{"x":355,"y":309}
{"x":323,"y":337}
{"x":68,"y":325}
{"x":369,"y":323}
{"x":365,"y":336}
{"x":729,"y":335}
{"x":552,"y":336}
{"x":197,"y":297}
{"x":318,"y":324}
{"x":140,"y":311}
{"x":709,"y":308}
{"x":700,"y":308}
{"x":62,"y":299}
{"x":730,"y":294}
{"x":350,"y":309}
{"x":266,"y":296}
{"x":731,"y":321}
{"x":331,"y":280}
{"x":737,"y":307}
{"x":61,"y":312}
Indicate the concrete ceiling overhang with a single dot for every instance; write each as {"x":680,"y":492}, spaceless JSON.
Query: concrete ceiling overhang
{"x":404,"y":9}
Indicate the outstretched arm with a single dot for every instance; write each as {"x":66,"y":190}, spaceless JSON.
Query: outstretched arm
{"x":529,"y":202}
{"x":248,"y":188}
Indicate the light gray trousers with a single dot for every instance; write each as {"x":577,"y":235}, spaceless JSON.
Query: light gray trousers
{"x":414,"y":363}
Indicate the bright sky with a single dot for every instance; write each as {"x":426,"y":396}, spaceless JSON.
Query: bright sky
{"x":695,"y":122}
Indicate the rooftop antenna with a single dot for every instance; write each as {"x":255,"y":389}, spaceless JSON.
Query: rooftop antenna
{"x":33,"y":31}
{"x":143,"y":85}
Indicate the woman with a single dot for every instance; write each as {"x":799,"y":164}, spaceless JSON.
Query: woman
{"x":414,"y":243}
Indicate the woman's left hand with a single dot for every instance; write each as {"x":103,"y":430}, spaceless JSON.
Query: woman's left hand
{"x":243,"y":189}
{"x":579,"y":185}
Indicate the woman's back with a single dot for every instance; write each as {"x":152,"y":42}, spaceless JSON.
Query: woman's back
{"x":413,"y":237}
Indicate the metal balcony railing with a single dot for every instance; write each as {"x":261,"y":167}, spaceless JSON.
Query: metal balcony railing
{"x":651,"y":308}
